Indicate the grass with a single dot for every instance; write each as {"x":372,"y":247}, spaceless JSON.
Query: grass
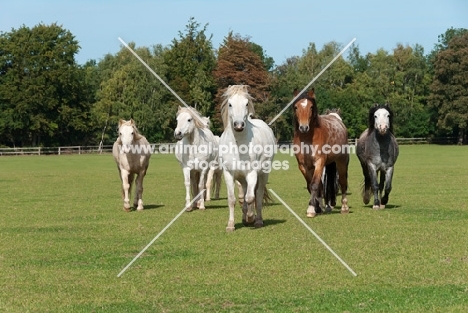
{"x":64,"y":238}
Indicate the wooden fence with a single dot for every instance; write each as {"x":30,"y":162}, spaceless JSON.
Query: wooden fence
{"x":166,"y":147}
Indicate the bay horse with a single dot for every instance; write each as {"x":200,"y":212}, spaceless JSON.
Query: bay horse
{"x":196,"y":150}
{"x":132,"y":153}
{"x":246,"y":152}
{"x":377,"y":151}
{"x":320,"y":145}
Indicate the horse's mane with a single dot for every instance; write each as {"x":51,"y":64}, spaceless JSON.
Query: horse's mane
{"x":242,"y":90}
{"x":372,"y":111}
{"x":310,"y":95}
{"x":199,"y":120}
{"x":131,"y":123}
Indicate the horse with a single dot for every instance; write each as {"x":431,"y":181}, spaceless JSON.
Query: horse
{"x":132,"y":154}
{"x":377,"y":151}
{"x":320,"y":144}
{"x":246,"y":151}
{"x":196,"y":151}
{"x":213,"y":181}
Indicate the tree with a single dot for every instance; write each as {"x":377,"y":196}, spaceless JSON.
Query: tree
{"x":449,"y":92}
{"x":238,"y":64}
{"x":128,"y":90}
{"x":191,"y":60}
{"x":43,"y":97}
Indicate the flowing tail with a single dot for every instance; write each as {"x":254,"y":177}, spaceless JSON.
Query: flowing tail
{"x":366,"y":186}
{"x":330,"y":187}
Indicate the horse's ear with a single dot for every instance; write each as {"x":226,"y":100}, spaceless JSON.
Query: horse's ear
{"x":121,"y":121}
{"x":311,"y":93}
{"x":132,"y":122}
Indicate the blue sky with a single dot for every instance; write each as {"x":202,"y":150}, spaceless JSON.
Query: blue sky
{"x":283,"y":28}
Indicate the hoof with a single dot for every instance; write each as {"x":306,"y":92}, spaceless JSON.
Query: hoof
{"x":189,"y":209}
{"x":140,"y":209}
{"x":230,"y":229}
{"x":258,"y":224}
{"x":127,"y":209}
{"x":328,"y":209}
{"x":202,"y":208}
{"x":310,"y":214}
{"x":382,"y":206}
{"x":345,"y":211}
{"x":376,"y":207}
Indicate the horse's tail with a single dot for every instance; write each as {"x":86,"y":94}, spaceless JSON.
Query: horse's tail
{"x":330,"y":187}
{"x":267,"y":199}
{"x":366,"y":185}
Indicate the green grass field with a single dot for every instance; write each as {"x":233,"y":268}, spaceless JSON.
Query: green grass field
{"x":65,"y":238}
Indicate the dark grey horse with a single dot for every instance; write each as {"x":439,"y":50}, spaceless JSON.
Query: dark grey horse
{"x":377,"y":151}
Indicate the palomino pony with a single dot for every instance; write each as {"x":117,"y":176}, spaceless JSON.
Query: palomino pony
{"x":132,"y":154}
{"x":196,"y":151}
{"x":320,"y":143}
{"x":246,"y":154}
{"x":377,"y":151}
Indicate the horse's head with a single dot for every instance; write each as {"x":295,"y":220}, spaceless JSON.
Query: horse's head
{"x":380,"y":118}
{"x":187,"y":120}
{"x":237,"y":107}
{"x":305,"y":111}
{"x":127,"y":132}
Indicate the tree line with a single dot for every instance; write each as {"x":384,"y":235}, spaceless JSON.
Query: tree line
{"x":47,"y":99}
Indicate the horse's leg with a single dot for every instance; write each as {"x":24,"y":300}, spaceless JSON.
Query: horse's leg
{"x":250,"y":195}
{"x":217,"y":183}
{"x":186,"y":171}
{"x":366,"y":189}
{"x":342,"y":168}
{"x":124,"y":175}
{"x":245,"y":206}
{"x":374,"y":185}
{"x":138,"y":201}
{"x":209,"y":180}
{"x":240,"y":192}
{"x":201,"y":186}
{"x":381,"y":185}
{"x":194,"y":181}
{"x":388,"y":187}
{"x":315,"y":185}
{"x":259,"y":194}
{"x":229,"y":179}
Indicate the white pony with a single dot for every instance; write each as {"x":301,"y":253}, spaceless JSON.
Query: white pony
{"x":196,"y":151}
{"x":132,"y":154}
{"x":246,"y":151}
{"x":214,"y":179}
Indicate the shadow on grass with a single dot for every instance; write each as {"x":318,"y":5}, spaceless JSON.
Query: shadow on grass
{"x":266,"y":222}
{"x":387,"y":207}
{"x":147,"y":207}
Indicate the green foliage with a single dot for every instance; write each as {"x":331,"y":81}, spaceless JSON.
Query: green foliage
{"x":190,"y":61}
{"x":449,"y":95}
{"x":47,"y":99}
{"x":41,"y":87}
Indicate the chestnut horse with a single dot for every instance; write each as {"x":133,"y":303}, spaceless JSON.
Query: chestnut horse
{"x":320,"y":143}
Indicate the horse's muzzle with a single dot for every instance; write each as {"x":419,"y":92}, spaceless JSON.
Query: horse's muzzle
{"x":239,"y":126}
{"x":303,"y":128}
{"x":382,"y":130}
{"x":178,"y":135}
